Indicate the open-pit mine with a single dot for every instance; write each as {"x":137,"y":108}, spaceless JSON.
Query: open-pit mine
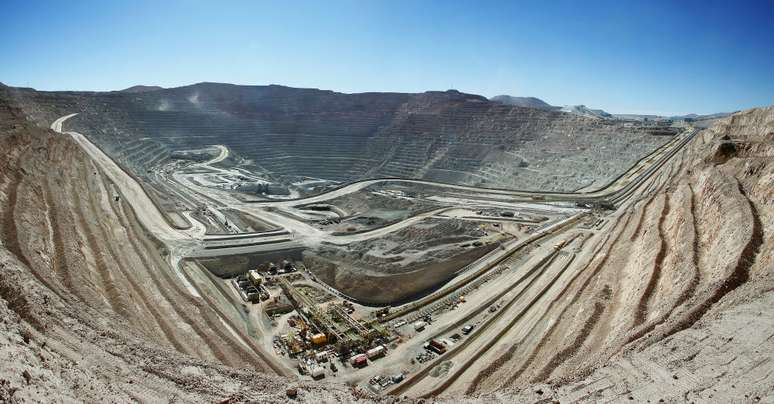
{"x":229,"y":243}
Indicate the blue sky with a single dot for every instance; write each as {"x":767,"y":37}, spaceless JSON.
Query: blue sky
{"x":622,"y":56}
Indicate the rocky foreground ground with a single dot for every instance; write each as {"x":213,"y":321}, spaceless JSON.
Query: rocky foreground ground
{"x":676,"y":307}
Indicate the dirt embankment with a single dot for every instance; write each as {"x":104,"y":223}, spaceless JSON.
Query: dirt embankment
{"x":229,"y":266}
{"x":378,"y":288}
{"x":689,"y":266}
{"x":404,"y":265}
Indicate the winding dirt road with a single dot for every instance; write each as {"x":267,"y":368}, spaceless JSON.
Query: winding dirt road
{"x":147,"y":212}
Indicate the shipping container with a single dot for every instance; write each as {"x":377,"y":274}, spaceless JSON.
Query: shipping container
{"x":319,"y":339}
{"x":436,"y":347}
{"x":317,"y":372}
{"x":254,"y":277}
{"x":377,"y":352}
{"x":359,"y":361}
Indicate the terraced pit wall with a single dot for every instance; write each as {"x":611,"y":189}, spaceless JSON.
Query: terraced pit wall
{"x":694,"y":249}
{"x":286,"y":133}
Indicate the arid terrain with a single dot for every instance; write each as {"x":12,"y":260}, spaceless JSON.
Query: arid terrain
{"x":542,"y":265}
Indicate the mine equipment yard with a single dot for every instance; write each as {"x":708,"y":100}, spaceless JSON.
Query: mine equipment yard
{"x":507,"y":253}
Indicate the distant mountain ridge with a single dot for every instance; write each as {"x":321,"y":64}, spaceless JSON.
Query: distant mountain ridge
{"x":533,"y":102}
{"x":425,"y":99}
{"x":528,"y":102}
{"x":700,"y":117}
{"x":141,"y":89}
{"x":587,"y":112}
